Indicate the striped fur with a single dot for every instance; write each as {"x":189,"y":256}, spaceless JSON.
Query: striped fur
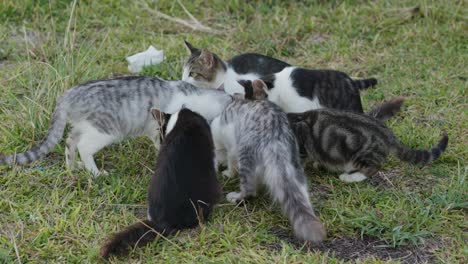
{"x":352,"y":143}
{"x":255,"y":139}
{"x":105,"y":111}
{"x":362,"y":84}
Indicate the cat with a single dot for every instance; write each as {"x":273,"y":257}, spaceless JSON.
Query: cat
{"x":292,"y":88}
{"x":297,"y":90}
{"x":352,"y":143}
{"x":382,"y":112}
{"x":205,"y":69}
{"x":254,"y":138}
{"x":183,"y":188}
{"x":105,"y":111}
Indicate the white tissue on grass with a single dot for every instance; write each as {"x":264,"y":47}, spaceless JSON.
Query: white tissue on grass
{"x":151,"y":56}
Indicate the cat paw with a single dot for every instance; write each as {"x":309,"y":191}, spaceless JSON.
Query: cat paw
{"x":96,"y":174}
{"x":234,"y":197}
{"x":353,"y":177}
{"x":79,"y":165}
{"x":227,"y":173}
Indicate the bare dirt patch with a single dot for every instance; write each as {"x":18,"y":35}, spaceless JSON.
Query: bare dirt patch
{"x":348,"y":249}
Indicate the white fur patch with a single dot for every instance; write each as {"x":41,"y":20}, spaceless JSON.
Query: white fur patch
{"x":353,"y":177}
{"x":231,"y":86}
{"x":204,"y":104}
{"x":233,"y":197}
{"x":172,"y":122}
{"x":186,"y":74}
{"x":286,"y":96}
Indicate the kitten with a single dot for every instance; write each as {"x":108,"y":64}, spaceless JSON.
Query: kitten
{"x":381,"y":112}
{"x":352,"y":143}
{"x":105,"y":111}
{"x":297,"y":90}
{"x":255,"y":139}
{"x":293,"y":89}
{"x":183,"y":188}
{"x":205,"y":69}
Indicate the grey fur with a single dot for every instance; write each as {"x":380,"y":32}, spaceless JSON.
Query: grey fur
{"x":256,"y":138}
{"x":105,"y":111}
{"x":354,"y":143}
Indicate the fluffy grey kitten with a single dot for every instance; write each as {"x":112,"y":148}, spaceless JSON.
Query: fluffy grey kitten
{"x":255,"y":139}
{"x":352,"y":143}
{"x":105,"y":111}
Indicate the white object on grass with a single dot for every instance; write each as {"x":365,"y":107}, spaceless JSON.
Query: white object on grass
{"x":151,"y":56}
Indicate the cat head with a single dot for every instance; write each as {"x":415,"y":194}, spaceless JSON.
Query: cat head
{"x":203,"y":68}
{"x":254,"y":90}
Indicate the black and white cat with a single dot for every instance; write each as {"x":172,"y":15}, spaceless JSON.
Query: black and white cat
{"x":294,"y":89}
{"x":183,"y":188}
{"x":206,"y":70}
{"x":297,"y":90}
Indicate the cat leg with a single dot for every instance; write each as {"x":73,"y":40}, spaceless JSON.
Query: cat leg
{"x":232,"y":167}
{"x":70,"y":149}
{"x":153,"y":132}
{"x":248,"y":181}
{"x":91,"y":141}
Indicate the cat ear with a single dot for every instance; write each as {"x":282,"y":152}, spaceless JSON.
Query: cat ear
{"x":158,"y":116}
{"x":248,"y":90}
{"x":259,"y":89}
{"x":207,"y":57}
{"x":189,"y":47}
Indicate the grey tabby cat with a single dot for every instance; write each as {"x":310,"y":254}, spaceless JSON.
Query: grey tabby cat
{"x":105,"y":111}
{"x":255,"y":139}
{"x":352,"y":143}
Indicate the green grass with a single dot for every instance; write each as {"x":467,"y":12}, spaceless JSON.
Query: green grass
{"x":55,"y":216}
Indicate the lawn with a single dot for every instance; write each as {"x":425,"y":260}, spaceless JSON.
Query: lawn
{"x":416,"y":49}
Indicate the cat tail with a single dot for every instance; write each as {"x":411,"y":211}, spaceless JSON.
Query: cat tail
{"x":387,"y":110}
{"x":138,"y":234}
{"x":363,"y":84}
{"x":288,"y":186}
{"x":420,"y":156}
{"x":55,"y":133}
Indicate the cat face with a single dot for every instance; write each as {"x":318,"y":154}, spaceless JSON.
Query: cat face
{"x":203,"y":68}
{"x":254,"y":90}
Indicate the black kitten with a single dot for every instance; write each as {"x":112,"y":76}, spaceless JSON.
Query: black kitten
{"x":183,"y":188}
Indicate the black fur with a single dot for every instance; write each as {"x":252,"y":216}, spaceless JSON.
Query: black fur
{"x":334,"y":89}
{"x":183,"y":189}
{"x":256,"y":63}
{"x":381,"y":112}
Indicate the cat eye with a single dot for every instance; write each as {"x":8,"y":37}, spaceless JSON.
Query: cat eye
{"x":193,"y":74}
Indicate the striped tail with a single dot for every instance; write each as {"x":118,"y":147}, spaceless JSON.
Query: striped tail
{"x":288,"y":186}
{"x":419,"y":156}
{"x":386,"y":110}
{"x":55,"y":133}
{"x":364,"y":83}
{"x":138,"y":234}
